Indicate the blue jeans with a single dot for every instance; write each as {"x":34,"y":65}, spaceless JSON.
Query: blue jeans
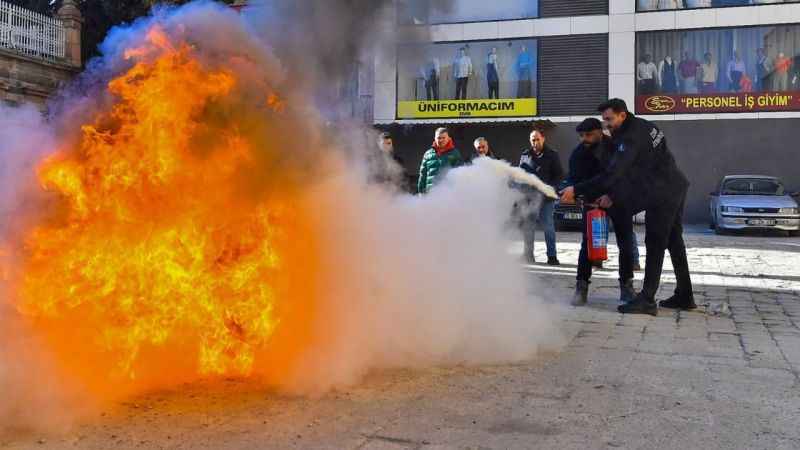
{"x":548,"y":222}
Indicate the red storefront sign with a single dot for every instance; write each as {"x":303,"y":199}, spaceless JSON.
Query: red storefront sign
{"x":717,"y":103}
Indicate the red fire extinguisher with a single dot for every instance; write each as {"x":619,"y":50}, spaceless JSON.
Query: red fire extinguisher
{"x":597,"y":234}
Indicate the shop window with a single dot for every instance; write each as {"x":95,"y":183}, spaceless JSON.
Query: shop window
{"x":422,"y":12}
{"x":662,"y":5}
{"x":745,"y":69}
{"x":467,"y":79}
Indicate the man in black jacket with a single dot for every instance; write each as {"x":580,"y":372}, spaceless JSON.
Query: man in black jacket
{"x":643,"y":176}
{"x":587,"y":161}
{"x":543,"y":162}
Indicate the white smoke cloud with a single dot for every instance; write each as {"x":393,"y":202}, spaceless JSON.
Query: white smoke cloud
{"x":422,"y":280}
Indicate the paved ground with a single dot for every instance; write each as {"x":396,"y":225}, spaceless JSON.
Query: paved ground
{"x":726,"y":377}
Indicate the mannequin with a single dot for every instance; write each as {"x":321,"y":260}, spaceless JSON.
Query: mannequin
{"x":462,"y":70}
{"x":431,"y":72}
{"x":735,"y":70}
{"x":493,"y":74}
{"x":667,"y":75}
{"x":780,"y":76}
{"x":688,"y":69}
{"x":524,"y":73}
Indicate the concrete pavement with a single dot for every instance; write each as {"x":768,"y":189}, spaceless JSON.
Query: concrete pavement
{"x":726,"y":376}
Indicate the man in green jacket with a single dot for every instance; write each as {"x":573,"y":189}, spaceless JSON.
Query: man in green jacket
{"x":442,"y":156}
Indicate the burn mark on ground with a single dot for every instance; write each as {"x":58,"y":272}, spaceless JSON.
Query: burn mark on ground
{"x":522,"y":427}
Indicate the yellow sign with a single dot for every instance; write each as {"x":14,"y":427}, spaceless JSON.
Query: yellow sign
{"x":511,"y":107}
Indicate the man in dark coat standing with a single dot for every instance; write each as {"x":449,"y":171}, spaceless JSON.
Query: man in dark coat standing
{"x":588,"y":160}
{"x":542,"y":161}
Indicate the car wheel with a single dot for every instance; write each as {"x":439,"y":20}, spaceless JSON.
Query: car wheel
{"x":719,"y":230}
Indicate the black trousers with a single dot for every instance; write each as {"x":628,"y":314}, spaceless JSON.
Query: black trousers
{"x":623,"y":229}
{"x":494,"y":89}
{"x":647,"y":87}
{"x":524,"y":88}
{"x":736,"y":80}
{"x":461,"y":88}
{"x":432,"y":88}
{"x":664,"y":226}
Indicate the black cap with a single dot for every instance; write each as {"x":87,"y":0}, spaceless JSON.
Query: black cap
{"x":589,"y":124}
{"x":385,"y":135}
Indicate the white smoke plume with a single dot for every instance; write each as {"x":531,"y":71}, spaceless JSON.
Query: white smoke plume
{"x":31,"y":388}
{"x":420,"y":281}
{"x":409,"y":281}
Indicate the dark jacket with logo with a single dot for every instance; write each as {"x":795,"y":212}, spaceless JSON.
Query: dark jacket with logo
{"x":642,"y":171}
{"x":586,"y":163}
{"x":546,"y":166}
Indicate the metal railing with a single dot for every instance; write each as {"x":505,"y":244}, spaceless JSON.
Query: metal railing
{"x":30,"y":33}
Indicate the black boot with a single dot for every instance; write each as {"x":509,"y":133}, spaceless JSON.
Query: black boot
{"x":553,"y":261}
{"x":626,"y":292}
{"x":639,"y":305}
{"x":581,"y":293}
{"x":678,"y":302}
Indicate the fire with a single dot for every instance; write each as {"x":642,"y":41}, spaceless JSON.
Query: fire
{"x":167,"y":249}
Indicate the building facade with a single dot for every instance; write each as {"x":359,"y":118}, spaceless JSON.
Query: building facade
{"x":720,"y":77}
{"x":38,"y":54}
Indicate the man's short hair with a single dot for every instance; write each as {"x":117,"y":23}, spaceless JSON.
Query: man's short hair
{"x":617,"y":105}
{"x":385,"y":135}
{"x":442,"y":130}
{"x":478,"y":141}
{"x":589,"y":124}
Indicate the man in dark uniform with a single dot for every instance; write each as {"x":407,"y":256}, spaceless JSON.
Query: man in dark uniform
{"x":587,"y":161}
{"x":643,"y":176}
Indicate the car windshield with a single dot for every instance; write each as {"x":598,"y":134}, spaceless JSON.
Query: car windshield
{"x":752,"y":186}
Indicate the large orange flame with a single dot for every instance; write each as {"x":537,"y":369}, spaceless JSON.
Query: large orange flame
{"x":162,"y":260}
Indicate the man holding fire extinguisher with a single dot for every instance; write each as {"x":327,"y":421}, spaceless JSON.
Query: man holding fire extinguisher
{"x":587,"y":161}
{"x":643,"y":176}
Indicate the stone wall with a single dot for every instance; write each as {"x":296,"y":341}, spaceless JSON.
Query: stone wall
{"x":25,"y":79}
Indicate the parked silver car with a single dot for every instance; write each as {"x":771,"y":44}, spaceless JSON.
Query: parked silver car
{"x":753,"y":202}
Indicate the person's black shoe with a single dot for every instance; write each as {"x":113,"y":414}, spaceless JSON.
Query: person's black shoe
{"x":678,"y":302}
{"x":637,"y":267}
{"x":626,"y":292}
{"x":528,"y":258}
{"x":639,"y":305}
{"x":581,"y":293}
{"x":553,"y":261}
{"x":597,"y":264}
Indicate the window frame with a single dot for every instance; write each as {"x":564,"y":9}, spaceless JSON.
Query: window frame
{"x":400,"y":23}
{"x":697,"y":8}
